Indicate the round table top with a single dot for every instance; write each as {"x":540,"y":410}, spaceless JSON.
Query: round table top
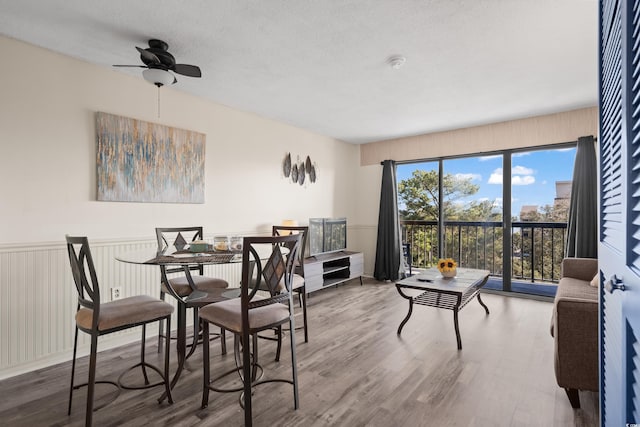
{"x":152,"y":257}
{"x":171,"y":256}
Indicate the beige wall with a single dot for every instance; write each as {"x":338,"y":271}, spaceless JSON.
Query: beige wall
{"x":48,"y":166}
{"x":530,"y":132}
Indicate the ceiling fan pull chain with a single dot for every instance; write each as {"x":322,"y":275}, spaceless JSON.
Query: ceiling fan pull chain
{"x":158,"y":101}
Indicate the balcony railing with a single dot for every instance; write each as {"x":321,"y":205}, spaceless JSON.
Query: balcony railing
{"x":537,"y":248}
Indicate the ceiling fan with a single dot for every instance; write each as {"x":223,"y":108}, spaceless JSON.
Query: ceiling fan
{"x":158,"y":62}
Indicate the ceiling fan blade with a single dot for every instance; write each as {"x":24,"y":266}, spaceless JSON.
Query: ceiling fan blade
{"x":148,"y":56}
{"x":137,"y":66}
{"x":188,"y":70}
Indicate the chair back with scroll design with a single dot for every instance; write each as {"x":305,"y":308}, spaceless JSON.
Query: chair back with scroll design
{"x":179,"y":238}
{"x":88,"y":289}
{"x":299,"y":286}
{"x":285,"y":230}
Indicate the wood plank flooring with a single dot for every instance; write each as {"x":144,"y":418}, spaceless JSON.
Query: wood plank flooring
{"x":355,"y":371}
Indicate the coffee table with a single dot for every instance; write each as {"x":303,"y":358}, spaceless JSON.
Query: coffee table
{"x":440,"y":292}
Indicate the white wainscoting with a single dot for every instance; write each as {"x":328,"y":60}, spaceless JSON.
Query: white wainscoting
{"x":38,"y":300}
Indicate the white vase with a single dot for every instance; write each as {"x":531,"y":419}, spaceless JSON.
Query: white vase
{"x":449,"y":274}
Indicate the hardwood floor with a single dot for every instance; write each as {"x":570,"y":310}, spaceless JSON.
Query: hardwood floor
{"x":355,"y":371}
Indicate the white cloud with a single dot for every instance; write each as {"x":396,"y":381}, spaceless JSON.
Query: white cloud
{"x":522,"y":180}
{"x":469,"y":176}
{"x":522,"y":170}
{"x":496,"y":177}
{"x":483,"y":199}
{"x":520,"y":175}
{"x":485,"y":158}
{"x":521,"y":154}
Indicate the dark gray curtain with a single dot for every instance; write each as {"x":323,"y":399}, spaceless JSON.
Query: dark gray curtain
{"x":388,"y":248}
{"x":582,"y":228}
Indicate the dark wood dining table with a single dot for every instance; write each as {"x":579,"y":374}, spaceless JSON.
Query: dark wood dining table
{"x":185,"y":259}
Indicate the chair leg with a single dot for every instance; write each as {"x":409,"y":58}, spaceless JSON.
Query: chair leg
{"x":92,"y":379}
{"x":206,"y":365}
{"x":73,"y":369}
{"x":160,"y":326}
{"x":167,"y":352}
{"x":223,"y":341}
{"x":246,"y":369}
{"x":296,"y":402}
{"x":304,"y":313}
{"x":574,"y":397}
{"x":196,"y":332}
{"x":142,"y":363}
{"x":279,"y":333}
{"x":254,"y":364}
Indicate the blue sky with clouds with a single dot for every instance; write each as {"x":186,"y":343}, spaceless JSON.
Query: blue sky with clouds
{"x":533,"y":175}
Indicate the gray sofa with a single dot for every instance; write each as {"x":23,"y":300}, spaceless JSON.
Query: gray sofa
{"x":574,"y":327}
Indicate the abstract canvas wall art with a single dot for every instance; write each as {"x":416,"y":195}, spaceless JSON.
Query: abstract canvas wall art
{"x":139,"y":161}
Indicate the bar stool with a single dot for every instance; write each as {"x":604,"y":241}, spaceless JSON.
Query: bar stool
{"x":250,"y":314}
{"x":179,"y":287}
{"x":96,"y":318}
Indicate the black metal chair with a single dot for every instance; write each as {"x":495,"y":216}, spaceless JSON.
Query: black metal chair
{"x":97,"y":318}
{"x":179,"y":286}
{"x":250,"y":314}
{"x":298,"y":283}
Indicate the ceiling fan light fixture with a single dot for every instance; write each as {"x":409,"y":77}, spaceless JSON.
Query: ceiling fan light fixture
{"x":158,"y":77}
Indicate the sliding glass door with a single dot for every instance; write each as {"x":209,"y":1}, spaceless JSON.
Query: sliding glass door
{"x":419,"y":206}
{"x":540,"y":197}
{"x":473,"y":212}
{"x":505,"y":212}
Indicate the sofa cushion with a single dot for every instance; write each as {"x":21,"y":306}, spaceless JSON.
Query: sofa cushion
{"x":579,"y":268}
{"x":576,"y":289}
{"x":570,"y":288}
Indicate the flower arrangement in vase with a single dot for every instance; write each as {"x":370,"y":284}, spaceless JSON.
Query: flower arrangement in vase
{"x":448,"y":267}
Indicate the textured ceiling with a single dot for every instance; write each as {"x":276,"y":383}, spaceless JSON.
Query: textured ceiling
{"x":321,"y":65}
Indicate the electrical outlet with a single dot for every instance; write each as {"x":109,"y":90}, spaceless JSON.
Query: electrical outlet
{"x":116,"y":293}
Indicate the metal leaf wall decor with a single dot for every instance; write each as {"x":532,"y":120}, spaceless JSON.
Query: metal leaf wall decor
{"x":297,"y":171}
{"x":312,"y":174}
{"x":301,"y":174}
{"x":286,"y":165}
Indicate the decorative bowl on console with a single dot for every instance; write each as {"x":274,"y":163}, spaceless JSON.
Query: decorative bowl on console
{"x":448,"y":268}
{"x":449,"y":274}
